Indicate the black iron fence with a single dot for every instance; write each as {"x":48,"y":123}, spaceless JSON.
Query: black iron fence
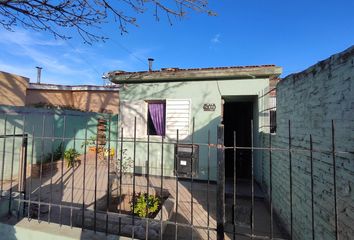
{"x":103,"y":186}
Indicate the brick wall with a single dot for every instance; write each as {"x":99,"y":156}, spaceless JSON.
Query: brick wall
{"x":311,"y":100}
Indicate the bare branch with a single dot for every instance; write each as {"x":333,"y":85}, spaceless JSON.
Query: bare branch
{"x":55,"y":16}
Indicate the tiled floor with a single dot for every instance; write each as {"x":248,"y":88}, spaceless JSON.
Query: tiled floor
{"x":75,"y":187}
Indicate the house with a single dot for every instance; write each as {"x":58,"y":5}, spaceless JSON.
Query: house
{"x":55,"y":111}
{"x":193,"y":102}
{"x":19,"y":91}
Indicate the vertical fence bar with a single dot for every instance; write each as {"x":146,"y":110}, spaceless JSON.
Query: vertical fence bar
{"x":24,"y":183}
{"x":41,"y":168}
{"x":234,"y":189}
{"x":30,"y":185}
{"x":334,"y":183}
{"x":192,"y":173}
{"x":22,"y":168}
{"x":51,"y":170}
{"x":72,"y":182}
{"x":147,"y":187}
{"x":115,"y":160}
{"x":62,"y":169}
{"x":271,"y":187}
{"x":120,"y":179}
{"x":220,"y":203}
{"x":134,"y":166}
{"x":95,"y":188}
{"x":176,"y":172}
{"x":12,"y":166}
{"x":312,"y":193}
{"x":208,"y":183}
{"x":252,"y":180}
{"x":84,"y":178}
{"x":108,"y":171}
{"x":290,"y":182}
{"x":161,"y":188}
{"x":3,"y":157}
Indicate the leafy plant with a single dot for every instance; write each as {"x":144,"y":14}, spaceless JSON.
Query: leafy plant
{"x":56,"y":154}
{"x":126,"y":162}
{"x":145,"y":205}
{"x":71,"y":156}
{"x":91,"y":141}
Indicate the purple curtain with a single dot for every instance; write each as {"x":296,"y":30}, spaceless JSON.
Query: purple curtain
{"x":157,"y":113}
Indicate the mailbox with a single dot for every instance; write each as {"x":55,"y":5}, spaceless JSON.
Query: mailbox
{"x":186,"y":160}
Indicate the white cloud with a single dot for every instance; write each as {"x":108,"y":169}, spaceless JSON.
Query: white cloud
{"x":58,"y":59}
{"x":24,"y":38}
{"x":63,"y":62}
{"x":216,"y":38}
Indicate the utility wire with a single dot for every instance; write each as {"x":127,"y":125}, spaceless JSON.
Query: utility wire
{"x":125,"y":49}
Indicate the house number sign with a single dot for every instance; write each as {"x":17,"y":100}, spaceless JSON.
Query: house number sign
{"x":209,"y":107}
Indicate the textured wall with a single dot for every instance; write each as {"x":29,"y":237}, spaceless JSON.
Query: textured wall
{"x":55,"y":97}
{"x":96,"y":101}
{"x":93,"y":101}
{"x":45,"y":129}
{"x":311,"y":100}
{"x":12,"y":89}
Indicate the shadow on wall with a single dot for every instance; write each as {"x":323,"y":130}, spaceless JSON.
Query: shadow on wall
{"x":13,"y":89}
{"x":200,"y":137}
{"x":53,"y":97}
{"x":50,"y":133}
{"x":135,"y":90}
{"x":90,"y":101}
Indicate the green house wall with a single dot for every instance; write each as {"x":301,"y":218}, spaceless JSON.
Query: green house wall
{"x":200,"y":93}
{"x":45,"y":129}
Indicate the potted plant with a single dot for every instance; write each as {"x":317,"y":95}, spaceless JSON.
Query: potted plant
{"x":71,"y":157}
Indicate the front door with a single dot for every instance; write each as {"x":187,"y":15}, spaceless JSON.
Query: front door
{"x":238,"y":118}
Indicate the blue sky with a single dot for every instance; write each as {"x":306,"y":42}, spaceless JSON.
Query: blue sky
{"x":290,"y":34}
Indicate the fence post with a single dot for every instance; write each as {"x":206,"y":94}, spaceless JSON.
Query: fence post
{"x":22,"y":165}
{"x":220,"y":203}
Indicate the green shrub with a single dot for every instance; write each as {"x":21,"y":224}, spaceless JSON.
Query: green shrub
{"x":56,"y":154}
{"x":145,"y":205}
{"x":71,"y":156}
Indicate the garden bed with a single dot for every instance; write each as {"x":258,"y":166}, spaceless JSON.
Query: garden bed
{"x":120,"y":218}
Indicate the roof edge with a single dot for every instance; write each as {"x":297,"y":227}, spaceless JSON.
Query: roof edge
{"x":41,"y":86}
{"x":206,"y":74}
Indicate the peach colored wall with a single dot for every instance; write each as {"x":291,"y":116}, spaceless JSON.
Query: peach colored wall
{"x":12,"y":89}
{"x":55,"y":97}
{"x":96,"y":101}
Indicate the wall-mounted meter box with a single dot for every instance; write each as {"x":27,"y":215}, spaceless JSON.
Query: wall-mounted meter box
{"x":186,"y":160}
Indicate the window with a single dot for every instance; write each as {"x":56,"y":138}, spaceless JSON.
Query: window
{"x":273,"y":121}
{"x":156,"y":119}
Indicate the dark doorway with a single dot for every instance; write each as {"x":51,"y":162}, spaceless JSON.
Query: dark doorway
{"x":237,"y":117}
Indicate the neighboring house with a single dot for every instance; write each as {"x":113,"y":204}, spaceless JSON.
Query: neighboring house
{"x":19,"y":91}
{"x":194,"y":102}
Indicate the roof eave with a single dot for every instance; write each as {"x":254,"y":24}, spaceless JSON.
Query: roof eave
{"x":198,"y":75}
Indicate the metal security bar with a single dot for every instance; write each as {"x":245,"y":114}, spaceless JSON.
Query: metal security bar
{"x":132,"y":187}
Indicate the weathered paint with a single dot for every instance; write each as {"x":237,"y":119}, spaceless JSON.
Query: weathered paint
{"x":210,"y":92}
{"x":47,"y":127}
{"x":311,"y":99}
